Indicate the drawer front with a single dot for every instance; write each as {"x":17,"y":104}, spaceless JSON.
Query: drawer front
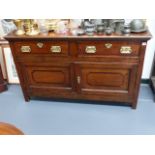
{"x":105,"y":48}
{"x":54,"y":48}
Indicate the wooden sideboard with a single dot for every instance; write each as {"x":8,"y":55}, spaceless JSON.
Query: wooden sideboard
{"x":104,"y":68}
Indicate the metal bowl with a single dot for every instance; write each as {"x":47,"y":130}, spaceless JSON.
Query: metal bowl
{"x":137,"y":25}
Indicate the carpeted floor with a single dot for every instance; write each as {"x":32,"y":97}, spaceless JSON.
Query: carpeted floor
{"x":73,"y":118}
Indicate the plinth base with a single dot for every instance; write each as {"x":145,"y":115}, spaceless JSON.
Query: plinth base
{"x":3,"y":87}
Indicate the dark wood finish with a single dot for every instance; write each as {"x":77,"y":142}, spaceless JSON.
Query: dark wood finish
{"x":20,"y":72}
{"x":9,"y":129}
{"x":53,"y":36}
{"x":101,"y":49}
{"x":45,"y":49}
{"x":105,"y":75}
{"x":55,"y":77}
{"x":5,"y":45}
{"x":102,"y":77}
{"x":3,"y":85}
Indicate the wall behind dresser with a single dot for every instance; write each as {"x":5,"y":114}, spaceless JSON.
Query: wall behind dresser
{"x":150,"y":50}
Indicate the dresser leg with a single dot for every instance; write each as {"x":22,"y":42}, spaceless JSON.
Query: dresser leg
{"x":27,"y":98}
{"x":3,"y":87}
{"x":134,"y":105}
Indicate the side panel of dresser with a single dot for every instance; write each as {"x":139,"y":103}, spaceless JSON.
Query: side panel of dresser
{"x":20,"y":72}
{"x":139,"y":73}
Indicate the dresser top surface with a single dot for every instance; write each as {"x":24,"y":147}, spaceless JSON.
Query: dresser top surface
{"x":141,"y":36}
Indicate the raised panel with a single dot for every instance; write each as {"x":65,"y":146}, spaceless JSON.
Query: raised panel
{"x":107,"y":78}
{"x":53,"y":77}
{"x":101,"y":79}
{"x":110,"y":79}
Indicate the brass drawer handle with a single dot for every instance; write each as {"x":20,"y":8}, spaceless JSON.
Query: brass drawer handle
{"x":108,"y":45}
{"x":40,"y":45}
{"x":25,"y":49}
{"x":55,"y":49}
{"x":90,"y":49}
{"x":126,"y":50}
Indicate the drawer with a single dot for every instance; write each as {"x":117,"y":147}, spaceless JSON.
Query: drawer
{"x":105,"y":48}
{"x":54,"y":48}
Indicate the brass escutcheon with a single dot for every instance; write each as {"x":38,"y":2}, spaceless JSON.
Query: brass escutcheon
{"x":78,"y":79}
{"x":55,"y":49}
{"x":126,"y":50}
{"x":108,"y":45}
{"x":90,"y":49}
{"x":25,"y":49}
{"x":40,"y":45}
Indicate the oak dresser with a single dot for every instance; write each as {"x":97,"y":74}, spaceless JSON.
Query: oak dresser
{"x":104,"y":68}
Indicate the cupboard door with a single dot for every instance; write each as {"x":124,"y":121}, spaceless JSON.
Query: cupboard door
{"x":51,"y":80}
{"x":106,"y":80}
